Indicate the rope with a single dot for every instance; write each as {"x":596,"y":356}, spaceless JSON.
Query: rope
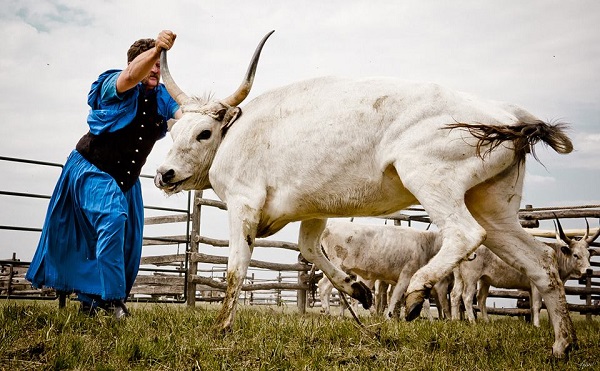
{"x":361,"y":325}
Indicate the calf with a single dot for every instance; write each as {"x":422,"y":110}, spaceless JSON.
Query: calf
{"x":572,"y":256}
{"x":391,"y":254}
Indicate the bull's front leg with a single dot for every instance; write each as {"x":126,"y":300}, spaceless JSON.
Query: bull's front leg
{"x":309,"y":243}
{"x":243,"y":221}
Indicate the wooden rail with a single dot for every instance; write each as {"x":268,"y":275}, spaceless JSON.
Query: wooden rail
{"x":178,"y":275}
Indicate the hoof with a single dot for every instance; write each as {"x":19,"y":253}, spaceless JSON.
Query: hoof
{"x":363,"y":294}
{"x":221,"y":330}
{"x":563,"y":351}
{"x":414,"y":304}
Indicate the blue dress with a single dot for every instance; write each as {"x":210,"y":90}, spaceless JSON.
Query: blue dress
{"x":91,"y":241}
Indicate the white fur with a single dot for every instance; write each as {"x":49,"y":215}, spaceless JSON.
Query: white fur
{"x":332,"y":147}
{"x":380,"y":252}
{"x":488,"y":269}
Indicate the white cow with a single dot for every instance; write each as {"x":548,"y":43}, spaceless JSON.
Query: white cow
{"x":332,"y":147}
{"x":379,"y":252}
{"x":487,"y":269}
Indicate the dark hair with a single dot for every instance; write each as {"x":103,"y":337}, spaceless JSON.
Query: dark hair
{"x":139,"y":47}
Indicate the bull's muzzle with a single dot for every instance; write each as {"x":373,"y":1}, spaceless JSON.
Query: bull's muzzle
{"x":163,"y":179}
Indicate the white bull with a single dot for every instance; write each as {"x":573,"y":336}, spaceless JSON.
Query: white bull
{"x":380,"y":252}
{"x":331,"y":147}
{"x":487,"y":269}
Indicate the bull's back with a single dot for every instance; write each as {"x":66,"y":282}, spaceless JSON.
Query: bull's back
{"x":334,"y":147}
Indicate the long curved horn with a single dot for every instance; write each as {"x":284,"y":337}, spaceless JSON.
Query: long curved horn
{"x":587,"y":230}
{"x":242,"y":92}
{"x":561,"y":233}
{"x":180,"y":97}
{"x":592,"y":238}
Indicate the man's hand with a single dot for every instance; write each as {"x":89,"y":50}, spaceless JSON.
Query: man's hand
{"x":165,"y":40}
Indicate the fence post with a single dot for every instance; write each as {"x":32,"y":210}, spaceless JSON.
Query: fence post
{"x":194,"y":238}
{"x":301,"y":296}
{"x":251,"y":292}
{"x":278,"y":297}
{"x":11,"y":274}
{"x":588,"y":296}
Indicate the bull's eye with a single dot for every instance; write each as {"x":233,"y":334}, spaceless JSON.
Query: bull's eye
{"x":205,"y":134}
{"x":576,"y":256}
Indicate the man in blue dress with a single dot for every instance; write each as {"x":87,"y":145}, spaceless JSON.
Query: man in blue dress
{"x":91,"y":242}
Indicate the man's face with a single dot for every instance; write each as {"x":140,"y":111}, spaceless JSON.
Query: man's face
{"x":152,"y":79}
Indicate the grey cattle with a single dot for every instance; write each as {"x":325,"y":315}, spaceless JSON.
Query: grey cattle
{"x":487,"y":269}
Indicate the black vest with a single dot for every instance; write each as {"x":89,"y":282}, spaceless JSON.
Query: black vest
{"x":122,"y":153}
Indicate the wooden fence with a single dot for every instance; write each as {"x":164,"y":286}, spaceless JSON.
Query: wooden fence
{"x":178,"y":278}
{"x":586,"y":288}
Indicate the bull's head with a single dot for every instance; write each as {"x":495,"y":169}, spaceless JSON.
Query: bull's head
{"x":199,"y":132}
{"x":575,"y":252}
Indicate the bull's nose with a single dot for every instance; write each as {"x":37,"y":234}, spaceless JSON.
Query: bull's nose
{"x":168,"y":175}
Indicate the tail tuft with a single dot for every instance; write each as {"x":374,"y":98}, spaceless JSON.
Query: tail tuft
{"x":524,"y":135}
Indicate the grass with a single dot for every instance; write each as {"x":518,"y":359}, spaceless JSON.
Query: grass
{"x":39,"y":336}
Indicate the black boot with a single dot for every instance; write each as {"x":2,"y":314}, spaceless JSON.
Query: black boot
{"x":119,"y":309}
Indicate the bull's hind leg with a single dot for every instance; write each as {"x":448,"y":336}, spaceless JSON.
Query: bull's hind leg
{"x":495,"y":205}
{"x":456,"y":294}
{"x":309,"y":243}
{"x":460,"y":234}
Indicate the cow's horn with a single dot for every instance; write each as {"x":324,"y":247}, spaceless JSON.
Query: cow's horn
{"x":592,"y":238}
{"x":180,"y":97}
{"x":561,"y":233}
{"x":242,"y":92}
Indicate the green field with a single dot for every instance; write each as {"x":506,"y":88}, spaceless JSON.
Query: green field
{"x":39,"y":336}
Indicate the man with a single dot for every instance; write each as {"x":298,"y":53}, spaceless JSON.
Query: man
{"x":91,"y":242}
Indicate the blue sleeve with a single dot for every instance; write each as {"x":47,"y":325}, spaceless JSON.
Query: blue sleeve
{"x":108,"y":92}
{"x":110,"y":111}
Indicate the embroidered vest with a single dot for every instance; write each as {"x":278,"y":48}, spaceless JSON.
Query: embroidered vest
{"x":122,"y":153}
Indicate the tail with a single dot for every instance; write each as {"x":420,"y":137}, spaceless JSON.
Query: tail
{"x":524,"y":135}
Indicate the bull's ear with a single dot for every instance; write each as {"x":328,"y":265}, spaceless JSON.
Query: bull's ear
{"x":231,"y":115}
{"x":172,"y":129}
{"x":565,"y":249}
{"x":170,"y":123}
{"x":217,"y":114}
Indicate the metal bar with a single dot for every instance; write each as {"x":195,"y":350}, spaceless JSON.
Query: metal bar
{"x":34,"y":162}
{"x":13,"y":228}
{"x":165,"y":209}
{"x":163,"y":270}
{"x":20,"y":194}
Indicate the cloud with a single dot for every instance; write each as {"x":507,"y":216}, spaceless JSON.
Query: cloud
{"x":585,"y":156}
{"x":535,"y":180}
{"x":540,"y":55}
{"x":45,"y":16}
{"x":587,"y":151}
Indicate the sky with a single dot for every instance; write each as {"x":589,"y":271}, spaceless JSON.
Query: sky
{"x":541,"y":55}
